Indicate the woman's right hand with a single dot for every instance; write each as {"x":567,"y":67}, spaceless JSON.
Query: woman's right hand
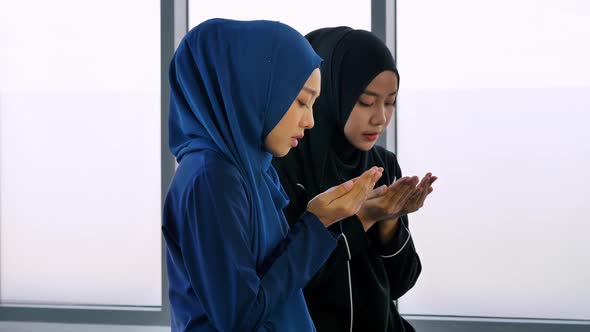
{"x":344,"y":200}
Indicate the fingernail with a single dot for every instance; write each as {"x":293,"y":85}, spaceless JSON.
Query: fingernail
{"x":348,"y":184}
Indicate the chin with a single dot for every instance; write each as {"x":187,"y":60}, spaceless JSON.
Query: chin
{"x":365,"y":146}
{"x":280,"y":154}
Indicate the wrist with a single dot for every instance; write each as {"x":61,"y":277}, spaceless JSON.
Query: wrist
{"x":387,"y":228}
{"x":365,"y":221}
{"x":365,"y":217}
{"x":325,"y":221}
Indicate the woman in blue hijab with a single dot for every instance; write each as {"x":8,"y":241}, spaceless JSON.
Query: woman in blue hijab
{"x":242,"y":92}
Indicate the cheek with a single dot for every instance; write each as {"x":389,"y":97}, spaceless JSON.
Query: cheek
{"x":297,"y":121}
{"x":358,"y":119}
{"x":268,"y":143}
{"x":348,"y":132}
{"x":291,"y":122}
{"x":352,"y":130}
{"x":389,"y":116}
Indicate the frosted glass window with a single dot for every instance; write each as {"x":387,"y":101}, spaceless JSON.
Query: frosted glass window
{"x":494,"y":100}
{"x":305,"y":15}
{"x":80,"y":188}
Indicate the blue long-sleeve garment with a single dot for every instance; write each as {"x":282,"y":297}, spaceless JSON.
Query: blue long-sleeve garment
{"x":233,"y":262}
{"x":226,"y":274}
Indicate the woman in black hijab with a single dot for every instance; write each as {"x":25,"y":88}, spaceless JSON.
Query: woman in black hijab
{"x":375,"y":262}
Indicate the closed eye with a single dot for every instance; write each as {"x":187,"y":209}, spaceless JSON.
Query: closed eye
{"x":391,"y":103}
{"x":302,"y":104}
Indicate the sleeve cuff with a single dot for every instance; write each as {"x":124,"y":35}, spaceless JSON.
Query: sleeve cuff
{"x":398,"y":242}
{"x":318,"y":228}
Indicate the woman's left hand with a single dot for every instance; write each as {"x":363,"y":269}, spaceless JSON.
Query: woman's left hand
{"x":416,"y":200}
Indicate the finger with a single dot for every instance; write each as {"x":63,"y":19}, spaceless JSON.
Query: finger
{"x":409,"y":195}
{"x":402,"y":194}
{"x":427,"y":192}
{"x":376,"y":178}
{"x":432,"y":179}
{"x":424,"y":181}
{"x":344,"y":188}
{"x":378,"y":192}
{"x":395,"y":186}
{"x":416,"y":195}
{"x":397,"y":189}
{"x":372,"y":180}
{"x":379,"y":169}
{"x":362,"y":181}
{"x":423,"y":196}
{"x":400,"y":183}
{"x":365,"y":185}
{"x":410,"y":187}
{"x":414,"y":180}
{"x":338,"y":191}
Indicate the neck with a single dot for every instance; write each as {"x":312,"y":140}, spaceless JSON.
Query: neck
{"x":345,"y":151}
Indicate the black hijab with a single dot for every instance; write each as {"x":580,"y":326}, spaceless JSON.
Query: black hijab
{"x":325,"y":157}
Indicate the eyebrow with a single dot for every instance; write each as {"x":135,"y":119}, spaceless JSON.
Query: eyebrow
{"x":310,"y":90}
{"x":375,"y":94}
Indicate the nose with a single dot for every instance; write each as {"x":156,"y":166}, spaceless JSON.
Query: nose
{"x":379,"y":116}
{"x":307,"y":121}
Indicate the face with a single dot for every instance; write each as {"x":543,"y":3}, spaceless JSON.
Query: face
{"x":289,"y":130}
{"x":372,"y":112}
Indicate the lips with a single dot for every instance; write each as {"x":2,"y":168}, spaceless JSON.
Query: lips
{"x":295,"y":140}
{"x":371,"y":136}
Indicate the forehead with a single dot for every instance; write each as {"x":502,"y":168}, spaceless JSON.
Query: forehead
{"x":313,"y":84}
{"x":386,"y":81}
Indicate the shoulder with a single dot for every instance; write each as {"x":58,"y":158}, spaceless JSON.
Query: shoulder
{"x":388,"y":157}
{"x":215,"y":165}
{"x":210,"y":170}
{"x":388,"y":160}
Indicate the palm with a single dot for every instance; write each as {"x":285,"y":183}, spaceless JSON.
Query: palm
{"x":416,"y":200}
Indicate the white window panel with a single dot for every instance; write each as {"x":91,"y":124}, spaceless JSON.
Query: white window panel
{"x":80,"y":186}
{"x":305,"y":16}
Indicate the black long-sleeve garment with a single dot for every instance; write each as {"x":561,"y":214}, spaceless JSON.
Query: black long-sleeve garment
{"x":376,"y":279}
{"x":361,"y":271}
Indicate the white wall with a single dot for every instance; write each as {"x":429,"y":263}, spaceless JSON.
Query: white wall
{"x":494,"y":100}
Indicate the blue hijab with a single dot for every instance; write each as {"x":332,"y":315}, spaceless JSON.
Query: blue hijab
{"x":232,"y":82}
{"x":233,"y":261}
